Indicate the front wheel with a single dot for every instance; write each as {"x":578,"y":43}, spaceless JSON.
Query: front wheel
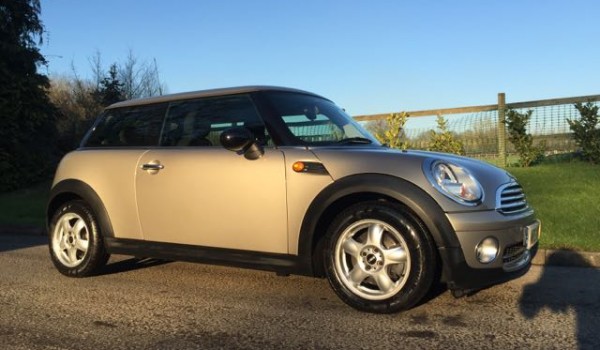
{"x":379,"y":257}
{"x":76,"y":245}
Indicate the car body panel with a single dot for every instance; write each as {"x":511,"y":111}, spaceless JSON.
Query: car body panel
{"x":212,"y":197}
{"x":111,"y":174}
{"x":408,"y":165}
{"x":302,"y":188}
{"x":471,"y":228}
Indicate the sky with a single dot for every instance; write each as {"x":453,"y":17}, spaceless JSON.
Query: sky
{"x":367,"y":56}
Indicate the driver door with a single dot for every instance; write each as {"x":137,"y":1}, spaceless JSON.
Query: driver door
{"x":193,"y":191}
{"x":209,"y":196}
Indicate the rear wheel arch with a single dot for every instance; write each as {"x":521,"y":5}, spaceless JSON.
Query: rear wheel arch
{"x":71,"y":189}
{"x":360,"y":188}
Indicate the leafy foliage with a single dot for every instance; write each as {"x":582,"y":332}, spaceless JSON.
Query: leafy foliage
{"x":76,"y":105}
{"x":393,"y":134}
{"x":131,"y":76}
{"x":79,"y":101}
{"x":586,"y":131}
{"x":517,"y":134}
{"x":27,"y":152}
{"x":110,"y":89}
{"x":444,"y":140}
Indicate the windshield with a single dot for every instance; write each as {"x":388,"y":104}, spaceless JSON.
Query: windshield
{"x":315,"y":121}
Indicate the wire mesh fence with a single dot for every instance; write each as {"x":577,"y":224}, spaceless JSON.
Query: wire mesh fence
{"x":549,"y":125}
{"x":478,"y":127}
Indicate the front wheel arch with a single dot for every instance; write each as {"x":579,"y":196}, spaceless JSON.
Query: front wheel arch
{"x":359,"y":188}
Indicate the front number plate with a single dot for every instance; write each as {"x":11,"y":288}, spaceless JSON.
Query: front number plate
{"x":531,"y":234}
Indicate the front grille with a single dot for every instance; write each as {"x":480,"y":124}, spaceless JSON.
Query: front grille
{"x":513,"y":252}
{"x":510,"y":199}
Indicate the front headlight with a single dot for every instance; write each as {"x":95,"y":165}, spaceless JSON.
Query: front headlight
{"x":456,"y":183}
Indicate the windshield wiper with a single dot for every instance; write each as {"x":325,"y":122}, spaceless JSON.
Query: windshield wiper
{"x":355,"y":140}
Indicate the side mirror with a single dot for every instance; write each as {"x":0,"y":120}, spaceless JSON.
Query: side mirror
{"x":241,"y":141}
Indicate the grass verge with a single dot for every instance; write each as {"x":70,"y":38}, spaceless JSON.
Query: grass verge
{"x":25,"y":207}
{"x":566,"y":198}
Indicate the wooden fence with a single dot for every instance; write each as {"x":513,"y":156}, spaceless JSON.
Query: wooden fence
{"x":559,"y":115}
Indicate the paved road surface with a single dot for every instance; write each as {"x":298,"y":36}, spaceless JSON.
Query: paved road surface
{"x":159,"y":305}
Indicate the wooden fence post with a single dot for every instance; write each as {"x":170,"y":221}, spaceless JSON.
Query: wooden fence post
{"x":501,"y":129}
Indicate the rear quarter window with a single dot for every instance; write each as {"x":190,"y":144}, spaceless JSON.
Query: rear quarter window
{"x":128,"y":127}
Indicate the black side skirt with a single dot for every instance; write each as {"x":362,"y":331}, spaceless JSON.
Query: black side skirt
{"x":280,"y":263}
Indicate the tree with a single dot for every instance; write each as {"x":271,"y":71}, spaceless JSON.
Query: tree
{"x":517,"y":134}
{"x":444,"y":140}
{"x":110,"y":89}
{"x":27,"y":132}
{"x":393,"y":133}
{"x":80,"y":100}
{"x":138,"y":78}
{"x":586,"y":131}
{"x":77,"y":107}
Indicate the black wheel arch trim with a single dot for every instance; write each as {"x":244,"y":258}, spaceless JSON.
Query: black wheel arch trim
{"x":403,"y":191}
{"x":72,"y":188}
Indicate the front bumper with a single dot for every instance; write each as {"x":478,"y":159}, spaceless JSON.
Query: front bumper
{"x":463,"y":270}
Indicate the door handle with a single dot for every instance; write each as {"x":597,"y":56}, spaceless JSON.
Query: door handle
{"x":152,"y":166}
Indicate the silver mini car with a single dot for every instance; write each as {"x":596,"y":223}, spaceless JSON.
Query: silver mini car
{"x":283,"y":180}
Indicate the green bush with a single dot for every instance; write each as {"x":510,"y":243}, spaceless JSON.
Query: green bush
{"x":444,"y":140}
{"x":586,"y":132}
{"x":523,"y":142}
{"x":393,"y":134}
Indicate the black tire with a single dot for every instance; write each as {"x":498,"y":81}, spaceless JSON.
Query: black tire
{"x":73,"y":228}
{"x":349,"y":241}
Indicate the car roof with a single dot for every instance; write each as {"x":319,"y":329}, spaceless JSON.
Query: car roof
{"x":204,"y":93}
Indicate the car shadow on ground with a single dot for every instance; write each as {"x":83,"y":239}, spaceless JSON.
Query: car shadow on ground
{"x":9,"y":241}
{"x":561,"y":290}
{"x":131,"y":264}
{"x":437,"y":288}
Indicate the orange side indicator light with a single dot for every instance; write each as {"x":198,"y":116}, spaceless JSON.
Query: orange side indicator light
{"x":298,"y":167}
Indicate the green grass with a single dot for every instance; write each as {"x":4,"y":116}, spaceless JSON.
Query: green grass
{"x":25,"y":207}
{"x":566,"y":198}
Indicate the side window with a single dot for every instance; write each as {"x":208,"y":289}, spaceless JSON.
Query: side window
{"x":128,"y":127}
{"x":200,"y":122}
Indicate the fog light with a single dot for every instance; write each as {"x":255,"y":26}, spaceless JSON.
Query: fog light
{"x":487,"y":250}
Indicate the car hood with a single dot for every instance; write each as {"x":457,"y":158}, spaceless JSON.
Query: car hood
{"x":411,"y":166}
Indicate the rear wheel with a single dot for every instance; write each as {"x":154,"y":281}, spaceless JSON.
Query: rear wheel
{"x":76,"y":245}
{"x":379,"y":257}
